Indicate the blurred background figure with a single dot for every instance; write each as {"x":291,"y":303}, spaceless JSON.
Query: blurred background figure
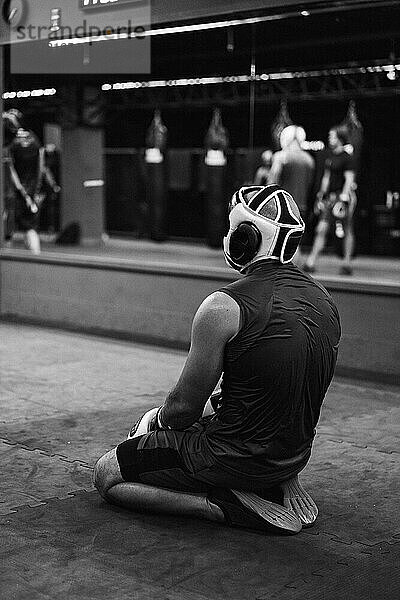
{"x":293,"y":169}
{"x":216,"y":143}
{"x":263,"y":172}
{"x":12,"y":120}
{"x":29,"y":175}
{"x":336,"y":200}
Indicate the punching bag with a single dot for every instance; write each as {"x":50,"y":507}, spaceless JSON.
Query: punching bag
{"x":216,"y":144}
{"x":281,"y":121}
{"x":156,"y":182}
{"x":356,"y":134}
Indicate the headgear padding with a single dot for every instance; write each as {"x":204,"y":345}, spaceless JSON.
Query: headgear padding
{"x":265,"y":222}
{"x":292,"y":133}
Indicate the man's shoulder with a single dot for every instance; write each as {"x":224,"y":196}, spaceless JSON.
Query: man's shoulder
{"x":279,"y":156}
{"x":319,"y":292}
{"x":308,"y":158}
{"x":219,"y":301}
{"x":219,"y":315}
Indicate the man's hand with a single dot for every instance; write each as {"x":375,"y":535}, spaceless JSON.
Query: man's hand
{"x":319,"y":203}
{"x":31,"y":204}
{"x":146,"y":423}
{"x":215,"y":399}
{"x":213,"y":403}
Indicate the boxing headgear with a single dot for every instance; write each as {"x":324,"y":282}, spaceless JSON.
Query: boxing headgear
{"x":265,"y":222}
{"x":290,"y":134}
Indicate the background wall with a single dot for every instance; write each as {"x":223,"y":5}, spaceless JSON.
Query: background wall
{"x":147,"y":304}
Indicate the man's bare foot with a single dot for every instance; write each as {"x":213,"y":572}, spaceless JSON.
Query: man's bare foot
{"x":296,"y":498}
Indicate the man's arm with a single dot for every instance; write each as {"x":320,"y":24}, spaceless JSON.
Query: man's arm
{"x":215,"y":323}
{"x":323,"y":188}
{"x":325,"y":182}
{"x":259,"y":176}
{"x":48,"y":175}
{"x":276,"y":168}
{"x":348,"y":186}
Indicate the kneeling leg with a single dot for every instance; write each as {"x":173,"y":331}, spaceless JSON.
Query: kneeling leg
{"x":147,"y":498}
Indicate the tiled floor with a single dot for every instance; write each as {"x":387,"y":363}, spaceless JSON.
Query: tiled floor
{"x":67,"y":398}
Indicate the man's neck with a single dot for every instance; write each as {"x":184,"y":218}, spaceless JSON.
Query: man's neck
{"x":338,"y":149}
{"x":293,"y":146}
{"x":263,"y":262}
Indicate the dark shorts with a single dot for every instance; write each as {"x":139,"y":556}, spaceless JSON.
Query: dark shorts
{"x":25,"y":219}
{"x":327,"y":212}
{"x":182,"y":461}
{"x":170,"y":459}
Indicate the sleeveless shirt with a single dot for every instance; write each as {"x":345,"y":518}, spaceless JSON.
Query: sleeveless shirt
{"x":277,"y":370}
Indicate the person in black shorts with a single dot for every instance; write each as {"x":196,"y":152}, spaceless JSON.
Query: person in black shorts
{"x":273,"y":336}
{"x":11,"y":122}
{"x":336,"y":200}
{"x":28,"y":174}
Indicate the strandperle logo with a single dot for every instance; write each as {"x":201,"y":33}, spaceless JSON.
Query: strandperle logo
{"x":82,"y":37}
{"x":83,"y":31}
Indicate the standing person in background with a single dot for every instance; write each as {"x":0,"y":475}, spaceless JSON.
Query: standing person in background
{"x":263,"y":172}
{"x":293,"y":169}
{"x":336,"y":200}
{"x":11,"y":122}
{"x":28,"y":173}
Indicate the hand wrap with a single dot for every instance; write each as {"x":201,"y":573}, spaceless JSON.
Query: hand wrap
{"x":150,"y":421}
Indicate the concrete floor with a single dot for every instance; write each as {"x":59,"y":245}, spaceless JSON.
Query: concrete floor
{"x":67,"y":398}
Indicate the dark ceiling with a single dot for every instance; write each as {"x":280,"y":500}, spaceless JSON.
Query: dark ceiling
{"x":297,"y":43}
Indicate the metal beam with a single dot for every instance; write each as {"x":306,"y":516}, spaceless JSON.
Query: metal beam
{"x":333,"y":86}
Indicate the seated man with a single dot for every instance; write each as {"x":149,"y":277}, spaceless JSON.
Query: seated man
{"x":273,"y":336}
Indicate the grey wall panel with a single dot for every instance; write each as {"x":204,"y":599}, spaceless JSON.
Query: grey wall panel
{"x":158,"y":306}
{"x":83,"y":160}
{"x":144,"y":305}
{"x":371,"y":331}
